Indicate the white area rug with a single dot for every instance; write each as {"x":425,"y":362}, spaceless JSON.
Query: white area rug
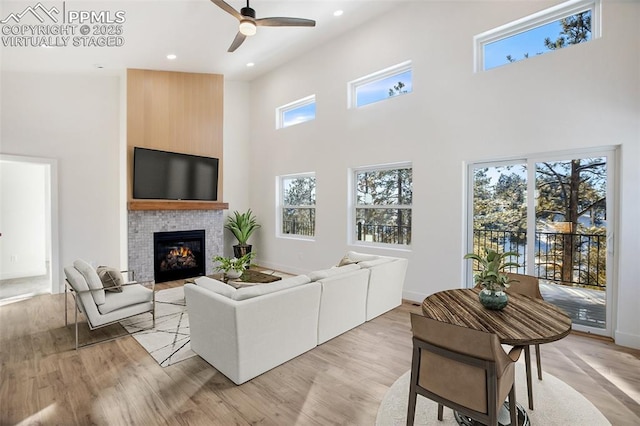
{"x":556,"y":403}
{"x":168,"y":342}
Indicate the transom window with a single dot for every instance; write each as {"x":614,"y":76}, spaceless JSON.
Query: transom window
{"x":385,"y":84}
{"x":296,"y":112}
{"x":561,"y":26}
{"x":298,"y":205}
{"x":382,"y":208}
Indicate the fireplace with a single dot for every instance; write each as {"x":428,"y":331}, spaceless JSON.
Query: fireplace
{"x":178,"y":255}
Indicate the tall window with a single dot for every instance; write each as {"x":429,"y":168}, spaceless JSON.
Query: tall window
{"x":383,"y":198}
{"x":298,"y":205}
{"x":569,"y":23}
{"x":385,"y":84}
{"x":296,"y":112}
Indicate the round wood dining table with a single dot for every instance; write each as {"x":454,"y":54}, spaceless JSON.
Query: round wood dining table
{"x":524,"y":321}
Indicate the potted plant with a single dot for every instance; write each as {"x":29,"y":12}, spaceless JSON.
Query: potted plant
{"x":492,"y":277}
{"x":232,"y":267}
{"x":242,"y":225}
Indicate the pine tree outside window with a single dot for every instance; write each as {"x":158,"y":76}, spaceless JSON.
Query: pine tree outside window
{"x":382,"y":208}
{"x":298,"y":205}
{"x":570,"y":23}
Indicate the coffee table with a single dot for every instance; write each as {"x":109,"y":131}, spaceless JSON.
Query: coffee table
{"x":248,"y":277}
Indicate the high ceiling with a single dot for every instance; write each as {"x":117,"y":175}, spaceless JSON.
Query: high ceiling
{"x":196,"y":31}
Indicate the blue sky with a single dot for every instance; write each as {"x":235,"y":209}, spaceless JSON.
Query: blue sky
{"x":379,"y":89}
{"x":299,"y":115}
{"x":531,"y":42}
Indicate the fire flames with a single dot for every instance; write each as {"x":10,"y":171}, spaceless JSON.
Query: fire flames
{"x":179,"y":258}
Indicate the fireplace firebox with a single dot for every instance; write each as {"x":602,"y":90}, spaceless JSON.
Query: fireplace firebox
{"x":178,"y":255}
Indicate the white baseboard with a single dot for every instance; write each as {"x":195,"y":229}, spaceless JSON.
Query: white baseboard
{"x":627,"y":339}
{"x":282,"y":268}
{"x":412,"y":296}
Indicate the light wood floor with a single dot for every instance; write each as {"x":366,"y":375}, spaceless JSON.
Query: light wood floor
{"x":44,"y":381}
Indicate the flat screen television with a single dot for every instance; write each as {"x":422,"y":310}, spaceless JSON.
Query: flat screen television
{"x":162,"y":175}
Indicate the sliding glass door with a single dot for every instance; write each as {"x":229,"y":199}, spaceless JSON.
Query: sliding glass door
{"x":556,"y":214}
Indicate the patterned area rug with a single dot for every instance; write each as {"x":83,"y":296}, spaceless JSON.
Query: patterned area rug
{"x":168,"y":342}
{"x":556,"y":403}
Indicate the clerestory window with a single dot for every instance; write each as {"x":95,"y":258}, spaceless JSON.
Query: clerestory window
{"x":296,"y":112}
{"x":381,"y":85}
{"x":558,"y":27}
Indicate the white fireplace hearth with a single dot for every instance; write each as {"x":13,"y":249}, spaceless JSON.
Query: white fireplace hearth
{"x":144,"y":223}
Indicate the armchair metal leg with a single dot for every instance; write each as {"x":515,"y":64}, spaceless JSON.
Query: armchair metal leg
{"x":76,"y":321}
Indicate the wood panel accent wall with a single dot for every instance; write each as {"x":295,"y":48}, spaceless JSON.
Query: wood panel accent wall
{"x":178,"y":112}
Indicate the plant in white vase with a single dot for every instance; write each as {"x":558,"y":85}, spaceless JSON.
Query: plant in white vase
{"x":233,"y":267}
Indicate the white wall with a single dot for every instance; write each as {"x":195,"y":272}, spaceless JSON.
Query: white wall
{"x":74,"y":119}
{"x":236,"y":173}
{"x":23,"y":246}
{"x":581,"y":97}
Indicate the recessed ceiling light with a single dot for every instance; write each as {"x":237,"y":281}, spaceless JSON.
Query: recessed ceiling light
{"x":171,"y":57}
{"x":250,"y":64}
{"x":338,"y":13}
{"x":99,"y":66}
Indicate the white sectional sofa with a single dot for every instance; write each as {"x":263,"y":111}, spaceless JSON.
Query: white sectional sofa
{"x":246,"y":332}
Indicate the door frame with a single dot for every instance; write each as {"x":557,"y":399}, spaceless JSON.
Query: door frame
{"x":613,"y":160}
{"x":51,"y":175}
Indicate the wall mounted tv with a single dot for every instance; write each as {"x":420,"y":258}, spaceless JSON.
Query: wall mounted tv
{"x":162,"y":175}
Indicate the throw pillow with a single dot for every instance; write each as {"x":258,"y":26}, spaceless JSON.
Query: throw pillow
{"x":93,"y":280}
{"x":346,"y":261}
{"x":111,"y":278}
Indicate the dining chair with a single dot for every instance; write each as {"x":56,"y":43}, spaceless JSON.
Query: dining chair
{"x":464,"y":369}
{"x":527,"y":285}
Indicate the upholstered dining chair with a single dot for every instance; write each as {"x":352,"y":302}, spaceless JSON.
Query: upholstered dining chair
{"x":464,"y":369}
{"x":102,"y":308}
{"x":529,"y":286}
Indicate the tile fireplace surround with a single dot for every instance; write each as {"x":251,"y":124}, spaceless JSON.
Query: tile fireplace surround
{"x":143,"y":223}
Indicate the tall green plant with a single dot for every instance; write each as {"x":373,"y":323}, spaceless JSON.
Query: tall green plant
{"x":242,"y":225}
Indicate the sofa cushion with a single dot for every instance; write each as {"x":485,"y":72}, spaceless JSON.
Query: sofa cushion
{"x":326,"y":273}
{"x":130,"y":295}
{"x":262,"y":289}
{"x":111,"y":278}
{"x":376,"y":262}
{"x":215,"y":286}
{"x":93,"y":280}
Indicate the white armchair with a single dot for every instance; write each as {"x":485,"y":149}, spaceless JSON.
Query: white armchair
{"x":100,"y":307}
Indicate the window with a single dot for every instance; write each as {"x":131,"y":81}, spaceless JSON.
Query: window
{"x":381,"y":85}
{"x":298,"y":201}
{"x":383,"y":197}
{"x":296,"y":112}
{"x":569,"y":23}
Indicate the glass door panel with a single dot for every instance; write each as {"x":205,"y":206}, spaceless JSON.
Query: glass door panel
{"x":500,"y":211}
{"x":571,"y":237}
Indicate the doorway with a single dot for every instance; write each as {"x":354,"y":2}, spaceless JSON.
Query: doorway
{"x":28,"y":264}
{"x":556,"y":213}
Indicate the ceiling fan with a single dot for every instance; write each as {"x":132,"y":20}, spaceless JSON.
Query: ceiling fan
{"x":248,"y":22}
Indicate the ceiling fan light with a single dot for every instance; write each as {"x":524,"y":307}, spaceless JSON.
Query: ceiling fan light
{"x":247,"y":27}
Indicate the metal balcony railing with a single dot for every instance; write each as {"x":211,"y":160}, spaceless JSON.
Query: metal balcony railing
{"x":388,"y":234}
{"x":564,"y":258}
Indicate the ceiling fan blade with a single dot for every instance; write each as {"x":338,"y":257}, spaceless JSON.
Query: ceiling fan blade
{"x":237,"y":42}
{"x":227,"y":8}
{"x":284,"y":22}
